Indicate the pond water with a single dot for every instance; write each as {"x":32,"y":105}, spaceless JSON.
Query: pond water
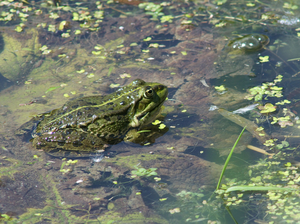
{"x":227,"y":65}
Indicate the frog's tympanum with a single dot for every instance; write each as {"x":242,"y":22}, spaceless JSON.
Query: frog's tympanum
{"x":90,"y":123}
{"x":249,"y":42}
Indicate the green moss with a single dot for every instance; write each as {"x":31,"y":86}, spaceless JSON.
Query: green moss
{"x":113,"y":44}
{"x":49,"y":213}
{"x":12,"y":169}
{"x":57,"y":211}
{"x":133,"y":64}
{"x":115,"y":217}
{"x":131,"y":161}
{"x":110,"y":206}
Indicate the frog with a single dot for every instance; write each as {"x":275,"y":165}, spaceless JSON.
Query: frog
{"x":92,"y":123}
{"x":249,"y":42}
{"x":240,"y":55}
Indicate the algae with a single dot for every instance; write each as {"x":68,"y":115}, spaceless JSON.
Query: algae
{"x":57,"y":211}
{"x":132,"y":160}
{"x":18,"y":55}
{"x":11,"y":169}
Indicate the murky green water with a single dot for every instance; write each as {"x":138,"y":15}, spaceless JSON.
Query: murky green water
{"x":54,"y":51}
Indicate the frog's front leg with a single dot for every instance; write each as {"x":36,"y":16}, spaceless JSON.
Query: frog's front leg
{"x":134,"y":136}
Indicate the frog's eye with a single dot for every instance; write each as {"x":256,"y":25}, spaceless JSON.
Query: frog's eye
{"x":148,"y":93}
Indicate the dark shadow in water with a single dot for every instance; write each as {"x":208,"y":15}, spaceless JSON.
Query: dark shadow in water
{"x":1,"y":44}
{"x":238,"y":160}
{"x":208,"y":154}
{"x":4,"y":82}
{"x":149,"y":196}
{"x":240,"y":83}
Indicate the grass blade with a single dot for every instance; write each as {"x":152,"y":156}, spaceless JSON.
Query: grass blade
{"x":228,"y":157}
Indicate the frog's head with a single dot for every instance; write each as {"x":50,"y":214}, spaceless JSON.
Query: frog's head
{"x":148,"y":105}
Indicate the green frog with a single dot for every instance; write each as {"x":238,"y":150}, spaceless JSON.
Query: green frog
{"x":91,"y":123}
{"x":249,"y":42}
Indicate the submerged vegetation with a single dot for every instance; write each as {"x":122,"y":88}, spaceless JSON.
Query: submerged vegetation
{"x":142,"y":172}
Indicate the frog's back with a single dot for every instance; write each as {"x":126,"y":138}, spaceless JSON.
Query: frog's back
{"x":78,"y":112}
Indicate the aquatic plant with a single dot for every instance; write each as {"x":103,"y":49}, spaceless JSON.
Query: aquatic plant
{"x":285,"y":201}
{"x":142,"y":172}
{"x":5,"y":217}
{"x":266,"y":90}
{"x":228,"y":158}
{"x":152,"y":9}
{"x":70,"y":163}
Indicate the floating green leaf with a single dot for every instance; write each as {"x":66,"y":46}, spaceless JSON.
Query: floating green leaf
{"x":263,"y":59}
{"x":183,"y":52}
{"x":267,"y":108}
{"x":147,"y":39}
{"x":220,"y":88}
{"x":81,"y":71}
